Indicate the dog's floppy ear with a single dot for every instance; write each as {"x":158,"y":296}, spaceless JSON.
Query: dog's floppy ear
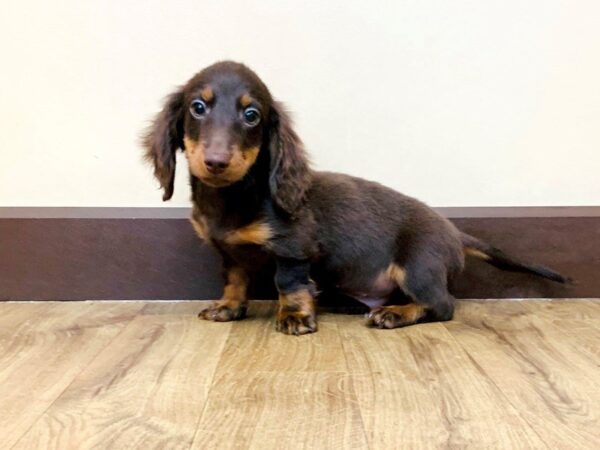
{"x":162,"y":140}
{"x":290,"y":173}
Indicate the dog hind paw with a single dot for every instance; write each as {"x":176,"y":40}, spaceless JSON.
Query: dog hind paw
{"x":388,"y":317}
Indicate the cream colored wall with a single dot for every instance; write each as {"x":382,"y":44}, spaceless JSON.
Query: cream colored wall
{"x":459,"y":103}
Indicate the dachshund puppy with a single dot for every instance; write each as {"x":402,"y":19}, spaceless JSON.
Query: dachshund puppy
{"x":257,"y":201}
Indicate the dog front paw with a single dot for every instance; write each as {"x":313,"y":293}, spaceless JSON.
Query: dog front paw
{"x":223,"y":312}
{"x":296,"y":323}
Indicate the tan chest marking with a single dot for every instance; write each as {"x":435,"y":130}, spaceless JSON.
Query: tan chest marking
{"x":200,"y":226}
{"x":258,"y":233}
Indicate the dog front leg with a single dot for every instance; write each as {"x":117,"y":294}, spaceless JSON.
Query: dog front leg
{"x":297,"y":312}
{"x":234,"y":302}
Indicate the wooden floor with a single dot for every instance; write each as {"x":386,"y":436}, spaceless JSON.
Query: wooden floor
{"x":503,"y":374}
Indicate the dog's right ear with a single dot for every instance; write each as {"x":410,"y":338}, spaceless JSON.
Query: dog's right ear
{"x":162,"y":140}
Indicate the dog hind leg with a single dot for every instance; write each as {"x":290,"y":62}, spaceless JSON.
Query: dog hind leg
{"x":425,"y":282}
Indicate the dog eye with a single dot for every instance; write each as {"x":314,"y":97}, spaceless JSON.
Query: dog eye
{"x":251,"y":116}
{"x":198,"y":109}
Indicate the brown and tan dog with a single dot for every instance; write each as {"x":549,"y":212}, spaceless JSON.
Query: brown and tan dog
{"x":256,"y":200}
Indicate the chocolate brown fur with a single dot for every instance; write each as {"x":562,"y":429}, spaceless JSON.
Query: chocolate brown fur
{"x":333,"y":230}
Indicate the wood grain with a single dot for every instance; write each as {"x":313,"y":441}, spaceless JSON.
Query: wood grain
{"x":584,"y":312}
{"x":578,"y":324}
{"x":269,"y":389}
{"x":254,"y":345}
{"x":15,"y":315}
{"x":394,"y":399}
{"x":281,"y":410}
{"x":553,"y":386}
{"x":49,"y":345}
{"x":151,"y":375}
{"x":145,"y":390}
{"x":435,"y":389}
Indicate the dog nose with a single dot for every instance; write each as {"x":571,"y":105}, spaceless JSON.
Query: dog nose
{"x":216,"y":165}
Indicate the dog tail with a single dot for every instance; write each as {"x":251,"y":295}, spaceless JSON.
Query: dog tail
{"x":497,"y":258}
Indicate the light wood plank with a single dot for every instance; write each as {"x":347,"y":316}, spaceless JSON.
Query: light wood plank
{"x":552,"y":386}
{"x":145,"y":390}
{"x":277,"y":391}
{"x":576,"y":312}
{"x":185,"y":307}
{"x":45,"y":352}
{"x":578,"y":323}
{"x":23,"y":318}
{"x":424,"y":392}
{"x":151,"y":375}
{"x":395,"y":401}
{"x":254,"y":345}
{"x":15,"y":315}
{"x":281,"y":410}
{"x":525,"y":320}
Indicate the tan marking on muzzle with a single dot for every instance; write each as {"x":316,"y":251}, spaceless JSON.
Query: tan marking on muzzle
{"x":194,"y":152}
{"x":239,"y":164}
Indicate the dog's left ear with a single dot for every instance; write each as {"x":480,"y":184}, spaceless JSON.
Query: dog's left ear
{"x":290,"y":174}
{"x":162,"y":140}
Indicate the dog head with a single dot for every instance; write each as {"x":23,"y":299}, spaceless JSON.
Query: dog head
{"x":223,"y":118}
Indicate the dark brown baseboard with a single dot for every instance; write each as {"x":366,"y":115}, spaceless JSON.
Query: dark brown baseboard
{"x":159,"y":257}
